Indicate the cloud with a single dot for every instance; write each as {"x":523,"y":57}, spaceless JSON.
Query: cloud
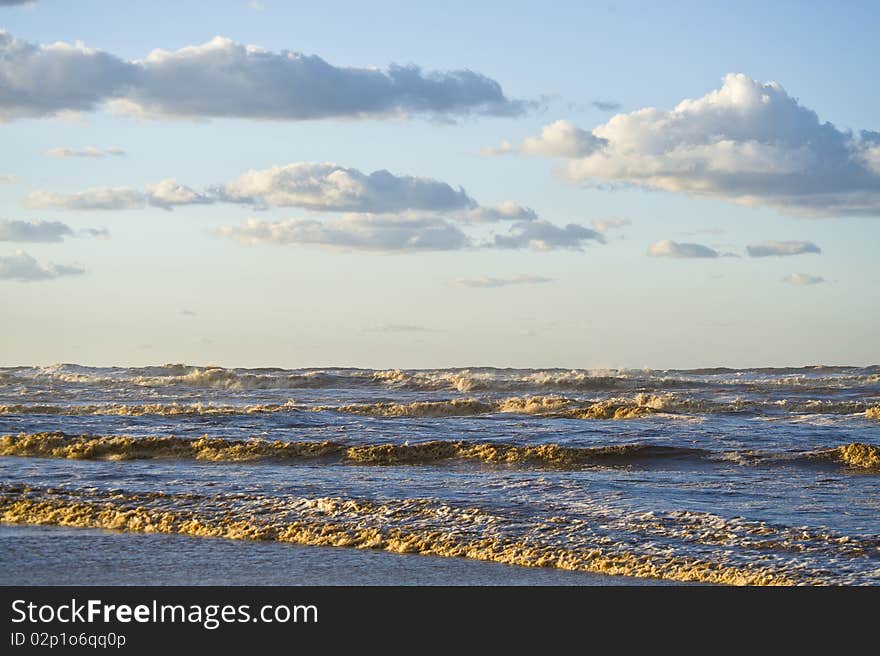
{"x":331,"y":187}
{"x":8,"y":179}
{"x":668,"y":248}
{"x":112,"y":198}
{"x":487,"y":282}
{"x":222,"y":78}
{"x":168,"y":193}
{"x":355,"y":232}
{"x":545,"y":236}
{"x":604,"y":225}
{"x":311,"y":186}
{"x":606,"y":105}
{"x":89,"y":152}
{"x":46,"y":232}
{"x":802,"y":279}
{"x":165,"y":194}
{"x":781,"y":248}
{"x":748,"y":143}
{"x":558,"y":139}
{"x":23,"y":268}
{"x":507,"y":211}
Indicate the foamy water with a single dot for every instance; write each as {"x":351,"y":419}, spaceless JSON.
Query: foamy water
{"x":754,"y":476}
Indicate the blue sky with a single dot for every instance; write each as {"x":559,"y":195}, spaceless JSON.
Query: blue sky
{"x":168,"y":285}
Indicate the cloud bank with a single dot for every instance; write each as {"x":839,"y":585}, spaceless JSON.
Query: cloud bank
{"x":669,"y":248}
{"x":748,"y":143}
{"x":381,"y":211}
{"x":22,"y":267}
{"x":781,"y":248}
{"x":222,"y":78}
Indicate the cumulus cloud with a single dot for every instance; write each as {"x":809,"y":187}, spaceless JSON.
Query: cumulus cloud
{"x":111,"y":198}
{"x":802,"y":279}
{"x":168,"y":193}
{"x":604,"y":225}
{"x":487,"y":282}
{"x":331,"y":187}
{"x":544,"y":236}
{"x":354,"y":232}
{"x":781,"y":248}
{"x":558,"y":139}
{"x":45,"y":232}
{"x":669,"y":248}
{"x":88,"y":152}
{"x":311,"y":186}
{"x":22,"y":267}
{"x":222,"y":78}
{"x":748,"y":142}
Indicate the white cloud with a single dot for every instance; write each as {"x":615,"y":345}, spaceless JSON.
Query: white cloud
{"x":562,"y":139}
{"x":507,"y":211}
{"x":669,"y":248}
{"x":545,"y":236}
{"x":112,"y":198}
{"x":558,"y":139}
{"x":168,"y":193}
{"x":8,"y":179}
{"x":487,"y":282}
{"x":23,"y":268}
{"x":331,"y":187}
{"x":45,"y":232}
{"x":802,"y":279}
{"x":355,"y":232}
{"x":604,"y":225}
{"x":311,"y":186}
{"x":222,"y":78}
{"x":747,"y":142}
{"x":781,"y":248}
{"x":88,"y":152}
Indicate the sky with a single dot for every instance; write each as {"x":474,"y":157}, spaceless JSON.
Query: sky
{"x":402,"y":185}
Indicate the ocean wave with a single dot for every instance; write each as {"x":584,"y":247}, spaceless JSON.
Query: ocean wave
{"x":455,"y":380}
{"x":856,"y":455}
{"x":617,"y":407}
{"x":419,"y":526}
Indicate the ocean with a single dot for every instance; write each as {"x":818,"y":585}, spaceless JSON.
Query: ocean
{"x":760,"y":476}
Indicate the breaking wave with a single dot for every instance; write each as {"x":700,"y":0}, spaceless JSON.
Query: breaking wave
{"x":422,"y":526}
{"x":457,"y":380}
{"x":859,"y":456}
{"x":618,"y":407}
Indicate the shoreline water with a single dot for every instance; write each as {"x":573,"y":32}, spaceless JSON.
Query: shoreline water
{"x":54,"y":555}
